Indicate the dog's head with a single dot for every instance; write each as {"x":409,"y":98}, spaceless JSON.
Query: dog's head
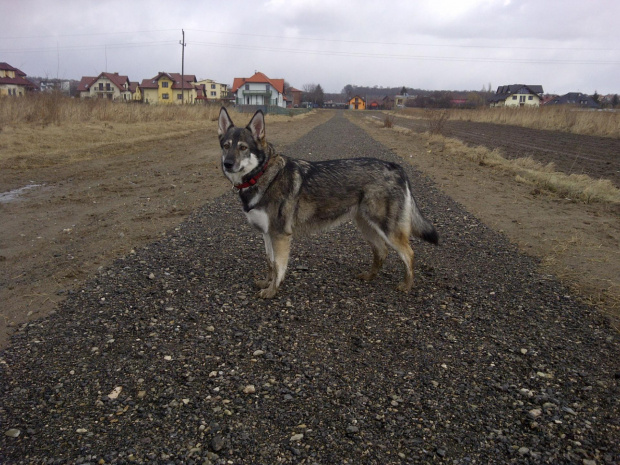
{"x":243,"y":149}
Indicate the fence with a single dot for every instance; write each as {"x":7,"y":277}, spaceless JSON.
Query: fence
{"x":273,"y":109}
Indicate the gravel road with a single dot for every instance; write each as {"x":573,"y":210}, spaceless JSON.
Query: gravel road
{"x":571,"y":153}
{"x":166,"y":356}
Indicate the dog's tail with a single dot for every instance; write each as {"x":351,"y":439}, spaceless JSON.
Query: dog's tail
{"x":421,"y":227}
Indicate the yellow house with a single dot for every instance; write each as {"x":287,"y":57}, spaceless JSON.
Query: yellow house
{"x":134,"y":88}
{"x":167,"y":88}
{"x":357,"y":103}
{"x":214,"y":91}
{"x":13,"y":81}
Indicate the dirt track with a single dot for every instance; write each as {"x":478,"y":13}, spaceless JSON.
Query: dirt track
{"x":165,"y":357}
{"x":598,"y":157}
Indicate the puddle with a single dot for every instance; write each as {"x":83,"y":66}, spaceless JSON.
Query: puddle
{"x":10,"y":196}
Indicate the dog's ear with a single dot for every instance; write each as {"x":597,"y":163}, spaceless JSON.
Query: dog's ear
{"x":224,"y":122}
{"x":257,"y":126}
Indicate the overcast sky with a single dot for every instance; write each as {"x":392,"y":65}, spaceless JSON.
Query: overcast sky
{"x":563,"y":45}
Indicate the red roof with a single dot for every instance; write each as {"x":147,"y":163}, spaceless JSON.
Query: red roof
{"x":260,"y":78}
{"x":87,"y":81}
{"x":18,"y":80}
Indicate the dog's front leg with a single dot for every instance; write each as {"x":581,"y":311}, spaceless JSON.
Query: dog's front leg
{"x":281,"y":247}
{"x":264,"y":283}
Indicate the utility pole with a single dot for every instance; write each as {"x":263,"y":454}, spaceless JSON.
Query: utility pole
{"x":183,"y":45}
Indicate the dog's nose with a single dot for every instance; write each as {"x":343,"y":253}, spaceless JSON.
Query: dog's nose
{"x":228,"y":164}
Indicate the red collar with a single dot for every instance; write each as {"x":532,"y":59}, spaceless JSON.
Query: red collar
{"x":251,"y":181}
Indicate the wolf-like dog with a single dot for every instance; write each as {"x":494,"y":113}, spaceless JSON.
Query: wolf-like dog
{"x":283,"y":197}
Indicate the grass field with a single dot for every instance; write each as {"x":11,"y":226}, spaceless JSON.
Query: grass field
{"x":48,"y":129}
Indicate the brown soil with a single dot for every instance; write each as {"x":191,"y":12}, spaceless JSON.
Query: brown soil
{"x":86,"y":213}
{"x":570,"y":153}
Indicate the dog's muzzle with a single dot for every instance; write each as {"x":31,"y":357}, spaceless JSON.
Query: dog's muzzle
{"x":229,"y":165}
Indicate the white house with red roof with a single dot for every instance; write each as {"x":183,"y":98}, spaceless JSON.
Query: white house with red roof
{"x":259,"y":90}
{"x":112,"y":86}
{"x":13,"y":81}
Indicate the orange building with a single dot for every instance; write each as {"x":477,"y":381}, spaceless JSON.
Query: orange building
{"x":357,"y":103}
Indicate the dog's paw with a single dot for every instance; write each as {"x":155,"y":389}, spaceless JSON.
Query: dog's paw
{"x":268,"y":293}
{"x":367,"y":276}
{"x":405,"y":286}
{"x":262,"y":283}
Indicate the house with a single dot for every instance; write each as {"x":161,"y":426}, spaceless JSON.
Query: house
{"x":55,"y":85}
{"x":13,"y":81}
{"x":400,"y":100}
{"x":259,"y":90}
{"x":517,"y":95}
{"x":167,"y":88}
{"x":215,"y":91}
{"x":295,"y":97}
{"x":575,"y":98}
{"x":387,"y":103}
{"x":374,"y":105}
{"x":112,"y":86}
{"x":357,"y":103}
{"x":134,"y":88}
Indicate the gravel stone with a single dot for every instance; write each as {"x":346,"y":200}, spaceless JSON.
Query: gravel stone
{"x":346,"y":353}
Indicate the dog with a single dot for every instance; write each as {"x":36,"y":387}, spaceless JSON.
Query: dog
{"x":284,"y":197}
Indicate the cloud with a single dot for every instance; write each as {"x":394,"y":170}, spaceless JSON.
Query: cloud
{"x":456,"y":44}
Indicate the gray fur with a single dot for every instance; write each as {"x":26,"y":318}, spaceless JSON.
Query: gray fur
{"x":292,"y":197}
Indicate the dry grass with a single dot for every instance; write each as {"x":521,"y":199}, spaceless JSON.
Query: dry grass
{"x":53,"y":108}
{"x":437,"y":120}
{"x":50,"y":129}
{"x":556,"y":118}
{"x":527,"y":170}
{"x":388,"y":121}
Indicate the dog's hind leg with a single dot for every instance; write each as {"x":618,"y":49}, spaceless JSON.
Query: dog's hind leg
{"x":281,"y":246}
{"x":377,"y":243}
{"x":399,"y":240}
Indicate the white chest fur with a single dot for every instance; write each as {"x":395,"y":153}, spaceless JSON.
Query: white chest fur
{"x":259,"y":219}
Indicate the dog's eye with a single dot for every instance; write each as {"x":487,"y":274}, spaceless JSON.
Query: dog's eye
{"x":226,"y":145}
{"x":242,"y":147}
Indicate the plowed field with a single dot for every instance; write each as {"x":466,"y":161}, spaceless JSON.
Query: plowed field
{"x":598,"y":157}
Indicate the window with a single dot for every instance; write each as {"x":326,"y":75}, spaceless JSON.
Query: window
{"x":530,"y":97}
{"x":247,"y":87}
{"x":165,"y":96}
{"x":179,"y":96}
{"x":101,"y":86}
{"x":212,"y":86}
{"x":514,"y":97}
{"x":107,"y":86}
{"x":213,"y":94}
{"x":165,"y":84}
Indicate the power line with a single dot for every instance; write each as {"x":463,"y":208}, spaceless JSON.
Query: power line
{"x":87,"y":47}
{"x":320,"y":39}
{"x":81,"y":34}
{"x":411,"y":57}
